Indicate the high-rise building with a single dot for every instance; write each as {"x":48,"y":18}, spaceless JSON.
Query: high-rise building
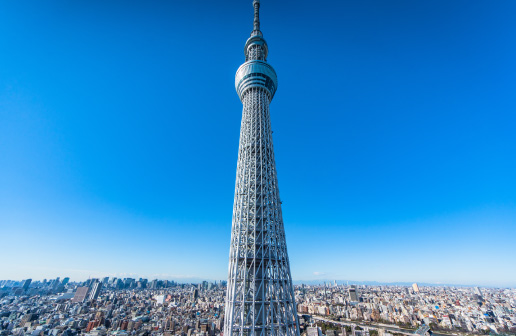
{"x":61,"y":287}
{"x":195,"y":294}
{"x":55,"y":283}
{"x":353,"y":295}
{"x":26,"y":284}
{"x":260,"y":297}
{"x":80,"y":294}
{"x":415,"y":287}
{"x":96,"y":286}
{"x":129,"y":282}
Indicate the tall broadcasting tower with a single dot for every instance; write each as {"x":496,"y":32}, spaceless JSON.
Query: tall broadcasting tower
{"x":260,"y":296}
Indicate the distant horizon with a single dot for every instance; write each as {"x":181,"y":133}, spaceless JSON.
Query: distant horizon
{"x":195,"y":280}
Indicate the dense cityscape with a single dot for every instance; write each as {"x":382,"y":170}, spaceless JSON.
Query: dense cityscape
{"x":116,"y":113}
{"x":114,"y":306}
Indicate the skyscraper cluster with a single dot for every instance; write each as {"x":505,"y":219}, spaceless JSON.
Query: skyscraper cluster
{"x":98,"y":307}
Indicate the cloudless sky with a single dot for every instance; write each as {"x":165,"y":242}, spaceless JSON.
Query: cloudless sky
{"x":394,"y":132}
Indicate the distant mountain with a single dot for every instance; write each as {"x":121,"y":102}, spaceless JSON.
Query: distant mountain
{"x":185,"y":280}
{"x":196,"y":280}
{"x":373,"y":283}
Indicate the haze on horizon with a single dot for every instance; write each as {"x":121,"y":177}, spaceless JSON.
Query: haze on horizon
{"x":393,"y":134}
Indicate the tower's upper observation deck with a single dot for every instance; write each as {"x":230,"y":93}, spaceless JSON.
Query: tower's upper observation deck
{"x":256,"y":72}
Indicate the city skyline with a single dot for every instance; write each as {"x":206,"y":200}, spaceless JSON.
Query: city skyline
{"x":395,"y":151}
{"x":320,"y":282}
{"x":108,"y":306}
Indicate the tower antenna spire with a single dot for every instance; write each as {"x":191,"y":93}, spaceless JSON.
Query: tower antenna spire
{"x":256,"y":22}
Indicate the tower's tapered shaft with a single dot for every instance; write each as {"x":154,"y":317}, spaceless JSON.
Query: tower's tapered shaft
{"x":260,"y":296}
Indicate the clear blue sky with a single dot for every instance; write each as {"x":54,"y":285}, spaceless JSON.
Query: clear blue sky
{"x":394,"y":130}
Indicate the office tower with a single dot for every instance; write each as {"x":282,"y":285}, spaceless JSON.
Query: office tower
{"x":260,"y":296}
{"x":129,"y":282}
{"x":96,"y":286}
{"x":415,"y":287}
{"x":353,"y":295}
{"x":61,"y":287}
{"x":80,"y":294}
{"x":477,"y":291}
{"x":26,"y":284}
{"x":55,"y":283}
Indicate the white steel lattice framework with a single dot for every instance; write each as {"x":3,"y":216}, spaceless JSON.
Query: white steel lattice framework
{"x":260,"y":296}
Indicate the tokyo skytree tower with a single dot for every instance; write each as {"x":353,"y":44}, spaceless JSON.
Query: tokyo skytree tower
{"x":260,"y":295}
